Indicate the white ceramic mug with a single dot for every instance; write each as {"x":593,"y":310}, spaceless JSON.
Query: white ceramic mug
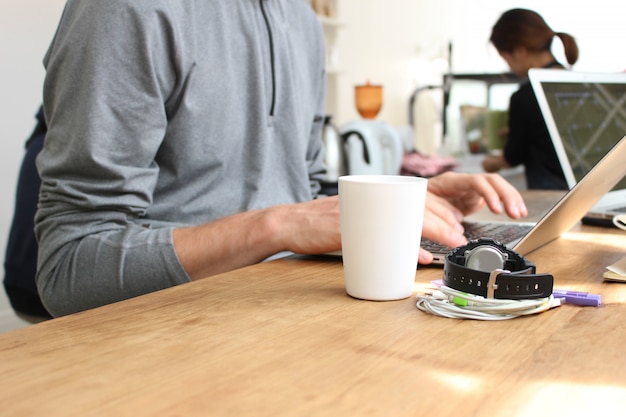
{"x":381,"y":230}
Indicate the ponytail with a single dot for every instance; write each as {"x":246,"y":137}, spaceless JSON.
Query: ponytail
{"x":569,"y":46}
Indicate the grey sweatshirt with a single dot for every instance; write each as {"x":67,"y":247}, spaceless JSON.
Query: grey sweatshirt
{"x":165,"y":113}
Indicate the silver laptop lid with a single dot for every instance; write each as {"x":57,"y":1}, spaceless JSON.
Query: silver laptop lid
{"x":585,"y":114}
{"x":579,"y":199}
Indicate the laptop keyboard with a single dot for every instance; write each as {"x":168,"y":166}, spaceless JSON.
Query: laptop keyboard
{"x":504,"y":233}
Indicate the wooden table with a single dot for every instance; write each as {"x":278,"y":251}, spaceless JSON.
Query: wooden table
{"x":283,"y":339}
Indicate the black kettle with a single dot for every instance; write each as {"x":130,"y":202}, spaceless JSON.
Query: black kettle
{"x":334,"y":152}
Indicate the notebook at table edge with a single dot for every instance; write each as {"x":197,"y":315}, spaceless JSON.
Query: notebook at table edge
{"x":608,"y":205}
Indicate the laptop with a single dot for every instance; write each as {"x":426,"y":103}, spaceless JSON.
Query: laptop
{"x":586,"y":115}
{"x":526,"y":237}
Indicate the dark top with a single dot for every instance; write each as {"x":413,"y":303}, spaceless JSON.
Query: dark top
{"x":529,"y":143}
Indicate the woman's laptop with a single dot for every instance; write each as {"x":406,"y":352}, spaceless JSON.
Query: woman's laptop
{"x":585,"y":193}
{"x":586,"y":115}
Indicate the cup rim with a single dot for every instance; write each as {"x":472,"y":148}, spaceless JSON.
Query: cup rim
{"x":381,"y":179}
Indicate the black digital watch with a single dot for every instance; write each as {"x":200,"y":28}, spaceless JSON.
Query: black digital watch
{"x":487,"y":268}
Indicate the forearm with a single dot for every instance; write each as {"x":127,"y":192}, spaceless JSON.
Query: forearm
{"x":246,"y":238}
{"x":494,"y":163}
{"x":229,"y":243}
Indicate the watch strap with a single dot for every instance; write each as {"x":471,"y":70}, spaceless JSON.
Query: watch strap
{"x":517,"y":280}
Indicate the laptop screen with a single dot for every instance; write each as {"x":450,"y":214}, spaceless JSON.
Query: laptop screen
{"x":588,"y":113}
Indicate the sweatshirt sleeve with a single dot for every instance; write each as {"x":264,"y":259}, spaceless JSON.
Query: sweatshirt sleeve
{"x":110,"y":73}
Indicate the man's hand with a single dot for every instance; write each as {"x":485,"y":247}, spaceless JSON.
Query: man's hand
{"x":451,"y":196}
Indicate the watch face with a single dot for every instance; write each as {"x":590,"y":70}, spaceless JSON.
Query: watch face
{"x":485,"y":258}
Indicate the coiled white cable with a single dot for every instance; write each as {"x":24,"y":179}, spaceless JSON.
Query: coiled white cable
{"x":448,"y":302}
{"x":620,"y":221}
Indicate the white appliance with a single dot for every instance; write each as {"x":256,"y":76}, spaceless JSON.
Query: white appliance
{"x":372,"y":147}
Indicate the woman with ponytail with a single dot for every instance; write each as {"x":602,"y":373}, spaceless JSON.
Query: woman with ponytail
{"x":524,"y":40}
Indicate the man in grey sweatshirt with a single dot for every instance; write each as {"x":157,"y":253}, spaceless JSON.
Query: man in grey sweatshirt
{"x":185,"y":140}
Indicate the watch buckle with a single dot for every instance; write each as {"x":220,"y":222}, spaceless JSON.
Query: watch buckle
{"x":492,"y":286}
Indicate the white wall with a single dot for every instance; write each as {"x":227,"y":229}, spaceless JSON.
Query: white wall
{"x":386,"y":41}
